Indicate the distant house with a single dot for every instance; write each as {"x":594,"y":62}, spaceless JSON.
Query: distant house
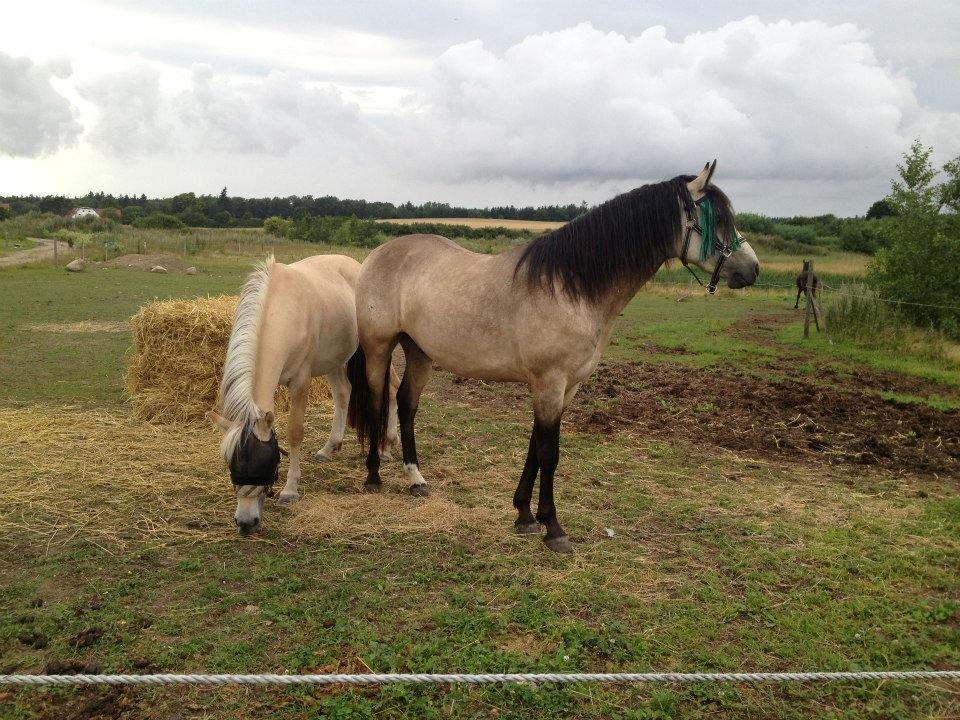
{"x":83,"y":212}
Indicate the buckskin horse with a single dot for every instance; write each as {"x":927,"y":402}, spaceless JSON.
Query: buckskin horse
{"x":539,"y":314}
{"x":293,"y":323}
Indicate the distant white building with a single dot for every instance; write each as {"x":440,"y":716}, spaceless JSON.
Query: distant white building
{"x":83,"y":212}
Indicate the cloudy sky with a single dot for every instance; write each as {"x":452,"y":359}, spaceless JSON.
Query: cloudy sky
{"x":807,"y":105}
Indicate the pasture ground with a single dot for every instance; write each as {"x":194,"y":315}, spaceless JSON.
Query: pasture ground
{"x":775,"y":505}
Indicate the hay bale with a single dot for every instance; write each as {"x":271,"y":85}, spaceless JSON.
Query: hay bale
{"x":179,"y":347}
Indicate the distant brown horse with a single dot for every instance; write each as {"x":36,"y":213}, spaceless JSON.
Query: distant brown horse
{"x":802,"y":287}
{"x":540,"y":314}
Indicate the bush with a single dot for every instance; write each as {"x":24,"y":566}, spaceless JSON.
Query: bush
{"x":751,"y":222}
{"x":4,"y":212}
{"x":159,"y":221}
{"x":131,"y":213}
{"x":798,"y":233}
{"x":278,"y":226}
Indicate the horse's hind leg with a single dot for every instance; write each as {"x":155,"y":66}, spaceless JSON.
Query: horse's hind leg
{"x":415,"y":377}
{"x":378,"y":362}
{"x":796,"y":305}
{"x":340,"y":391}
{"x":392,"y":432}
{"x":299,"y":390}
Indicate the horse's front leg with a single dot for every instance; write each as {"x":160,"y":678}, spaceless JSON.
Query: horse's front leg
{"x":299,"y":390}
{"x":548,"y":404}
{"x":340,"y":391}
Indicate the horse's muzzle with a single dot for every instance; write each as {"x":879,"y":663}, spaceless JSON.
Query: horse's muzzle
{"x":247,"y":526}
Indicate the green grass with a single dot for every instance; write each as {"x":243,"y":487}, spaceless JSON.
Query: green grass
{"x":11,"y":245}
{"x":718,"y":562}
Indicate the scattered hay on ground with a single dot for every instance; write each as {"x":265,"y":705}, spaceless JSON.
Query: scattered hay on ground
{"x":145,"y":262}
{"x":351,"y":517}
{"x":80,"y":327}
{"x":100,"y":476}
{"x":179,"y":347}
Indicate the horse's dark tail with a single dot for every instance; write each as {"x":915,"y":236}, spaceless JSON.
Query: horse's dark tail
{"x":359,"y":411}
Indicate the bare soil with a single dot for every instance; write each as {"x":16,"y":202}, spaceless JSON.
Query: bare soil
{"x":834,"y":418}
{"x":787,"y":418}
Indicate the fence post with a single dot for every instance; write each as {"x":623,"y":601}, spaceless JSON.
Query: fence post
{"x":808,"y":292}
{"x":56,"y":257}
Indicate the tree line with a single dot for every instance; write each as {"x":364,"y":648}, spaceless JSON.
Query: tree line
{"x":224,"y":210}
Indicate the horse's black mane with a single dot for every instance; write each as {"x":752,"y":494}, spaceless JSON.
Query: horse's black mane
{"x":622,"y":240}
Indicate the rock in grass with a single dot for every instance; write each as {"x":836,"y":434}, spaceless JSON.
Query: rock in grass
{"x":190,"y":271}
{"x":158,"y":269}
{"x":78,"y":265}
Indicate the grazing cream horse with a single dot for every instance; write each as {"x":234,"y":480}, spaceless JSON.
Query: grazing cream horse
{"x":293,"y":323}
{"x":541,"y":314}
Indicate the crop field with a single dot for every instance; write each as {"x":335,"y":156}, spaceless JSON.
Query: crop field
{"x":534,"y":225}
{"x":739,"y":500}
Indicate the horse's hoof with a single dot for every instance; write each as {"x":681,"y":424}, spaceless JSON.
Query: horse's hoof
{"x":559,"y":544}
{"x":288,"y":498}
{"x":321,"y":456}
{"x":369,"y":487}
{"x":386,"y":456}
{"x":527,"y":528}
{"x":420,"y":490}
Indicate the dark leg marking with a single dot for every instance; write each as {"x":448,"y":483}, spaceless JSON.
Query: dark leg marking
{"x":548,"y":454}
{"x":525,"y":523}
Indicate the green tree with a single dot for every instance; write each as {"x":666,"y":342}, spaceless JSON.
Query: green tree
{"x":918,"y":266}
{"x":880,"y":209}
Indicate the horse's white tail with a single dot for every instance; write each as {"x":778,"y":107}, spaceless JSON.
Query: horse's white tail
{"x":236,"y":387}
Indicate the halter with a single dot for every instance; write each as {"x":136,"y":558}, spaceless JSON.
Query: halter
{"x":710,"y":243}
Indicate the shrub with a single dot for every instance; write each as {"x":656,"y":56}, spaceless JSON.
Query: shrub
{"x":278,"y":226}
{"x":751,"y":222}
{"x":159,"y":221}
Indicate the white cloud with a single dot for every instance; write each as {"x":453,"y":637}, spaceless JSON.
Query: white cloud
{"x":783,"y":100}
{"x":34,"y":118}
{"x":270,"y":115}
{"x":128,"y":112}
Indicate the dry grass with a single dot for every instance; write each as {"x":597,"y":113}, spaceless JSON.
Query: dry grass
{"x":92,"y":326}
{"x":179,"y":347}
{"x":536,"y":225}
{"x":112,"y":481}
{"x":350,"y":517}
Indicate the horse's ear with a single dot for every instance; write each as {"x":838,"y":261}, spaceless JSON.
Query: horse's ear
{"x":699,"y":183}
{"x":713,"y":169}
{"x":219,"y":421}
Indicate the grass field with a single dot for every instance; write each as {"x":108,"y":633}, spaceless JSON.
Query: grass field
{"x":774,"y":505}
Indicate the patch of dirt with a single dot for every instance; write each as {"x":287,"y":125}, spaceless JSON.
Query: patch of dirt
{"x":145,"y":262}
{"x":90,"y":704}
{"x":787,"y":418}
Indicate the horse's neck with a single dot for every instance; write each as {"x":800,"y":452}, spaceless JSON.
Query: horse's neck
{"x":269,"y":365}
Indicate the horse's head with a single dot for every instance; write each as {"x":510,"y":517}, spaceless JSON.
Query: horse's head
{"x":710,"y":239}
{"x":252,"y":453}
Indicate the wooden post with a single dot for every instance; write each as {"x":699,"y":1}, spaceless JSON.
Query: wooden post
{"x":56,"y":258}
{"x":808,"y":269}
